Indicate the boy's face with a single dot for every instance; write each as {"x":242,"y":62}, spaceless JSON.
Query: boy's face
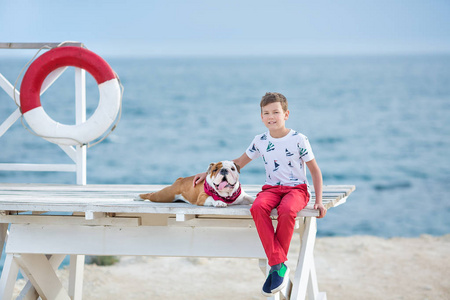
{"x":273,"y":116}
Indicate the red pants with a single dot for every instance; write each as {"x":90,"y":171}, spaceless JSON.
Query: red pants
{"x":288,"y":200}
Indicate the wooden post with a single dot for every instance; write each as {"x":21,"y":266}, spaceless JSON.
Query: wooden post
{"x":80,"y":108}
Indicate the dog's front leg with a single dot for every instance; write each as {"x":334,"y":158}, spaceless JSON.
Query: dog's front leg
{"x":206,"y":200}
{"x":216,"y":203}
{"x":248,"y":199}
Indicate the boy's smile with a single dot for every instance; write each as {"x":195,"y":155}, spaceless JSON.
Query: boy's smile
{"x":274,"y":118}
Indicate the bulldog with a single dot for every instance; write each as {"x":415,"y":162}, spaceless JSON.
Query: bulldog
{"x":220,"y":188}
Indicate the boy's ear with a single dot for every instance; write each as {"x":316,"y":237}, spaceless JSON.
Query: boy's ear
{"x":286,"y":114}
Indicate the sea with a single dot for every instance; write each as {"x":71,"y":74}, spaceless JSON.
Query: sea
{"x":381,"y":123}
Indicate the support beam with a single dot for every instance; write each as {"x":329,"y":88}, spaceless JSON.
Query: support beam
{"x":9,"y":276}
{"x":41,"y":274}
{"x":91,"y":215}
{"x":3,"y":236}
{"x":184,"y":217}
{"x":29,"y":292}
{"x":9,"y":121}
{"x":305,"y":276}
{"x":9,"y":88}
{"x":51,"y":78}
{"x":76,"y":277}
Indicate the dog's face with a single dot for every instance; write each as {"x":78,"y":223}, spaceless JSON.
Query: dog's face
{"x":223,"y":177}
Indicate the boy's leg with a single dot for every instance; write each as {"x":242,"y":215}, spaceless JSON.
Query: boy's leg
{"x":261,"y":208}
{"x":295,"y":199}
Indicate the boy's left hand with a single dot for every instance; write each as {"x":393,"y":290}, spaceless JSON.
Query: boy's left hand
{"x":322,"y":210}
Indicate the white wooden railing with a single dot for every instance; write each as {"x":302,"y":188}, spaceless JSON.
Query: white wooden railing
{"x":76,"y":153}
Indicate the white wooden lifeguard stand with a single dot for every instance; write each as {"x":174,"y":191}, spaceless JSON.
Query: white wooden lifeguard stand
{"x":105,"y":220}
{"x":76,"y":153}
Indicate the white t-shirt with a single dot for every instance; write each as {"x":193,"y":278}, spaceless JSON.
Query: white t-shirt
{"x":284,"y":158}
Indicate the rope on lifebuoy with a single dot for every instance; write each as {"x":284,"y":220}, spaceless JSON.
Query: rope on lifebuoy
{"x":110,"y":103}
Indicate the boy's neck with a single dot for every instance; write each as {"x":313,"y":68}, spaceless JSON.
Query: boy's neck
{"x":279,"y":133}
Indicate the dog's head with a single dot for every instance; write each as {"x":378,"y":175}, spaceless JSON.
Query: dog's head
{"x":223,"y":177}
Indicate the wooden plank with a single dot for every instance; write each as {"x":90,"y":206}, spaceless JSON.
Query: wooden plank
{"x":119,"y":199}
{"x":35,"y":45}
{"x":132,"y":187}
{"x":38,"y":167}
{"x":70,"y":220}
{"x":143,"y":240}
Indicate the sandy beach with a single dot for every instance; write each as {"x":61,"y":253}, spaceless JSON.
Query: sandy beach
{"x":358,"y":267}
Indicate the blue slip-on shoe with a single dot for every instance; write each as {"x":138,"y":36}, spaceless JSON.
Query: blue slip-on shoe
{"x":266,"y":290}
{"x":279,"y":279}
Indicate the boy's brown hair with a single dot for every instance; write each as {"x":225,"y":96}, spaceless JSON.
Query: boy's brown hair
{"x":269,"y":98}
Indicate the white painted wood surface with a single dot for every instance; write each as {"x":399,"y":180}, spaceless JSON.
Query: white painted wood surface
{"x":106,"y":220}
{"x":121,"y":199}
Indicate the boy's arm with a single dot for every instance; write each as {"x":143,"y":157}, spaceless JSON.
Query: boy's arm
{"x":241,"y":161}
{"x":316,"y":175}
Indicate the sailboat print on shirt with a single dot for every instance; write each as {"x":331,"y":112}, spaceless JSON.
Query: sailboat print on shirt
{"x":253,"y":149}
{"x":290,"y":164}
{"x":270,"y":147}
{"x":288,"y":153}
{"x":292,"y":177}
{"x":264,"y":137}
{"x":301,"y":151}
{"x":277,"y":165}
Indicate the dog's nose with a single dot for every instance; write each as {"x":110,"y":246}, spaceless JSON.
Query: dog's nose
{"x":223,"y":172}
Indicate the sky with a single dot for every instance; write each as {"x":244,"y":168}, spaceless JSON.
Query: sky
{"x":232,"y":27}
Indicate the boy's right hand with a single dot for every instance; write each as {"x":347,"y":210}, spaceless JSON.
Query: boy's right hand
{"x":199,"y":178}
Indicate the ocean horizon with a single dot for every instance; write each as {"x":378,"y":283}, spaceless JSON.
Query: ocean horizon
{"x":379,"y":122}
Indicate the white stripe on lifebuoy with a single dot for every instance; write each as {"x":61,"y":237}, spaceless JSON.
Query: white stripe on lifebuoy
{"x":97,"y":124}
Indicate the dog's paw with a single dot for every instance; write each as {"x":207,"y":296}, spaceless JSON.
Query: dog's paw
{"x":145,"y":196}
{"x":220,"y":204}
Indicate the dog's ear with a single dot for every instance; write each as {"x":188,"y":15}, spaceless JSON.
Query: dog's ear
{"x":237,"y":167}
{"x":209,"y":168}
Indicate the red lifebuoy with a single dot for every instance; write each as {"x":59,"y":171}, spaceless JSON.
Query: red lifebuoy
{"x":97,"y":124}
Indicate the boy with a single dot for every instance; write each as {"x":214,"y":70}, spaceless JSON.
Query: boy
{"x":285,"y":153}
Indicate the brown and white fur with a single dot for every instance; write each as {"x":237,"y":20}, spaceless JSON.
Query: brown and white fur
{"x":222,"y":176}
